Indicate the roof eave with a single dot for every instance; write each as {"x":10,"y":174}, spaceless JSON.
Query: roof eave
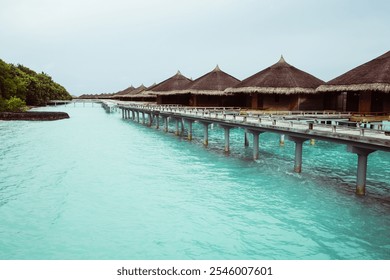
{"x":272,"y":90}
{"x":382,"y":87}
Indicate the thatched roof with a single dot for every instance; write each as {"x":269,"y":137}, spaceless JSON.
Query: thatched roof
{"x":213,"y":83}
{"x":176,"y":84}
{"x":280,"y":78}
{"x":145,"y":92}
{"x":123,"y":92}
{"x":135,"y":91}
{"x":371,"y":76}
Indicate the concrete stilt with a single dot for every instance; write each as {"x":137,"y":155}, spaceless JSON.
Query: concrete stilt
{"x":138,"y":116}
{"x":205,"y":134}
{"x":166,"y":124}
{"x":181,"y":126}
{"x":157,"y":121}
{"x":298,"y":157}
{"x":227,"y":138}
{"x":150,"y":119}
{"x":177,"y":127}
{"x":143,"y":117}
{"x":246,"y":141}
{"x":281,"y":141}
{"x":361,"y":168}
{"x":298,"y":152}
{"x":123,"y":113}
{"x":190,"y":130}
{"x":255,"y":145}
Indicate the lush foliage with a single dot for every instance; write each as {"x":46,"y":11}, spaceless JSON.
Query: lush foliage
{"x":27,"y":85}
{"x":14,"y":104}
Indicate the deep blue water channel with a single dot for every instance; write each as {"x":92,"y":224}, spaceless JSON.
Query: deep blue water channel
{"x":96,"y":186}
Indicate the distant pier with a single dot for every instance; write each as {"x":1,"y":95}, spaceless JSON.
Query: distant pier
{"x":309,"y":126}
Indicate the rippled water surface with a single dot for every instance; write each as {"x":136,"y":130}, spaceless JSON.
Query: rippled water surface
{"x":99,"y":187}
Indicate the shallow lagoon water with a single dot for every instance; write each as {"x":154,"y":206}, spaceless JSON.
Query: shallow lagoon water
{"x":98,"y":187}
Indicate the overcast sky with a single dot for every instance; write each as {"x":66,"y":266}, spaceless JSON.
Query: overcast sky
{"x":96,"y":46}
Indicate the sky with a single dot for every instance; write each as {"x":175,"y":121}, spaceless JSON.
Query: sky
{"x":103,"y":46}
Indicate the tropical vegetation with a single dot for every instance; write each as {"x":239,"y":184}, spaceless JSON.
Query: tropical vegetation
{"x":21,"y":87}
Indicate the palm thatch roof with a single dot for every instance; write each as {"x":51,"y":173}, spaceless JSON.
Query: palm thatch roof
{"x":145,"y":92}
{"x":135,"y":91}
{"x":123,"y":92}
{"x":280,"y":78}
{"x":213,"y":83}
{"x":176,"y":84}
{"x":371,"y":76}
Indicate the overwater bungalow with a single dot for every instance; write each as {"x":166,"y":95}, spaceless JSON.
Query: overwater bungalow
{"x":281,"y":87}
{"x":208,"y":90}
{"x":367,"y":87}
{"x":172,"y":90}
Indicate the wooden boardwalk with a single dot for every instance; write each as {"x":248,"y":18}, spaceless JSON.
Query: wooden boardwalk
{"x":298,"y":127}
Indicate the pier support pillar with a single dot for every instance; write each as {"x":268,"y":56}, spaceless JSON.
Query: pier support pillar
{"x":361,"y":168}
{"x":246,"y":141}
{"x":181,"y":126}
{"x":165,"y":124}
{"x":150,"y":119}
{"x":157,"y":121}
{"x":227,"y":138}
{"x":256,"y":146}
{"x":205,"y":134}
{"x":143,"y":117}
{"x":298,"y":152}
{"x":190,"y":122}
{"x":138,"y":116}
{"x":177,"y":127}
{"x":123,"y":113}
{"x":281,"y":141}
{"x":256,"y":135}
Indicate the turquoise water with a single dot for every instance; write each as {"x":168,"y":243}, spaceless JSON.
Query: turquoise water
{"x":99,"y":187}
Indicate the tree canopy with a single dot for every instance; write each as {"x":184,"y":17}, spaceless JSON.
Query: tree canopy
{"x":36,"y":89}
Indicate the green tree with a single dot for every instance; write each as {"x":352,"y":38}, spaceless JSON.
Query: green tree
{"x":15,"y":104}
{"x":24,"y":83}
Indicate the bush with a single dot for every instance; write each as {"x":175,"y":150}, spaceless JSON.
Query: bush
{"x":14,"y":104}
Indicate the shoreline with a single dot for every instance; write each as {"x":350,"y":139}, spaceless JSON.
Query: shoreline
{"x":33,"y":116}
